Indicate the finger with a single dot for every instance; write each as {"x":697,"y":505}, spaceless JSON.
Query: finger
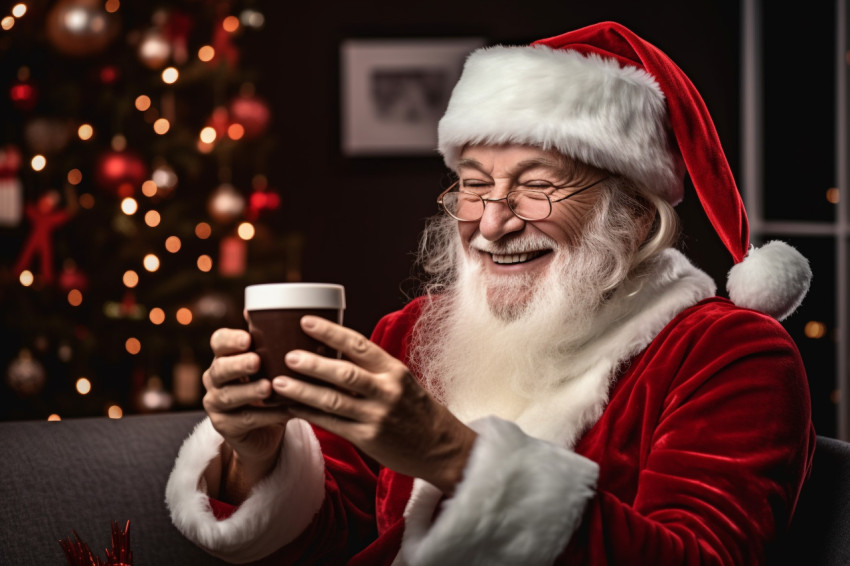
{"x":226,"y":341}
{"x":342,"y":374}
{"x":325,"y":399}
{"x":240,"y":422}
{"x":232,"y":397}
{"x":225,"y":369}
{"x":351,"y":344}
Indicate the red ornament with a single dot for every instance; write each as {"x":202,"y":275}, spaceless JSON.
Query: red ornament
{"x":72,"y":277}
{"x":232,"y":256}
{"x":252,"y":112}
{"x":11,"y":189}
{"x":109,"y":74}
{"x":120,"y":172}
{"x":24,"y":95}
{"x":261,"y":200}
{"x":222,"y":43}
{"x":45,"y":218}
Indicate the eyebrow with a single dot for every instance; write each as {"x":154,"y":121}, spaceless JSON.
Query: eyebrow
{"x":520,"y":167}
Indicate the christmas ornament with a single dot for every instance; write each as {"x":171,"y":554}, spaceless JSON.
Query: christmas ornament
{"x":109,"y":74}
{"x":48,"y":136}
{"x":154,"y":49}
{"x":72,"y":277}
{"x":226,"y":204}
{"x":213,"y":307}
{"x":44,"y":217}
{"x":23,"y":94}
{"x":252,"y":112}
{"x":165,"y":178}
{"x":120,"y":172}
{"x":222,"y":43}
{"x":26,"y":375}
{"x":78,"y":553}
{"x":11,"y":189}
{"x":232,"y":256}
{"x":187,"y":380}
{"x":262,"y":199}
{"x":81,"y":27}
{"x":176,"y":29}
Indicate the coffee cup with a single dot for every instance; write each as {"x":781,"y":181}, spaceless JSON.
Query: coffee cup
{"x":274,"y":311}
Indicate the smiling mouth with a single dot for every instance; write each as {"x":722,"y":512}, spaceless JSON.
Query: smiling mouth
{"x":511,"y":259}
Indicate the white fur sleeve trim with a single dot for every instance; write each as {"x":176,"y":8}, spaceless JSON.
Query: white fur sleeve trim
{"x":277,"y":510}
{"x":520,"y":502}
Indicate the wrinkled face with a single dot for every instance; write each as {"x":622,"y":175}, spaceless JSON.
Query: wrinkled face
{"x":505,"y":245}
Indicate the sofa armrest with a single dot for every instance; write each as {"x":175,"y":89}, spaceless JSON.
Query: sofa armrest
{"x":79,"y":475}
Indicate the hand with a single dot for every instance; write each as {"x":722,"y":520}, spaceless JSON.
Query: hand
{"x":252,"y":431}
{"x":378,"y":406}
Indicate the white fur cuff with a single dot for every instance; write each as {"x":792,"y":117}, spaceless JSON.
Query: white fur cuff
{"x":520,"y":501}
{"x":278,"y":509}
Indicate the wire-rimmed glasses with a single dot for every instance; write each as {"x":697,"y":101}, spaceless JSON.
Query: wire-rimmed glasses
{"x":528,"y":204}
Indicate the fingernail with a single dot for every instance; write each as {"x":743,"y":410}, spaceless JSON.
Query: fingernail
{"x":244,"y":341}
{"x":308,"y":322}
{"x":280,"y":382}
{"x":293,"y":358}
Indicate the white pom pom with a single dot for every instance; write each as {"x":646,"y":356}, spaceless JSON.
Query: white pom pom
{"x":772,"y":279}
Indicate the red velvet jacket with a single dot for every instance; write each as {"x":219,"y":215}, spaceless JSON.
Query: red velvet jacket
{"x":701,"y":451}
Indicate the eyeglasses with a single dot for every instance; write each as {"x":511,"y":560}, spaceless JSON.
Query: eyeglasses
{"x":527,"y":204}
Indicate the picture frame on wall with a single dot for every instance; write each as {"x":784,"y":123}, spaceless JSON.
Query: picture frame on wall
{"x":394,"y":91}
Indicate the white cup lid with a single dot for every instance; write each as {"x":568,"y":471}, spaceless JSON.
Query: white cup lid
{"x":294,"y":296}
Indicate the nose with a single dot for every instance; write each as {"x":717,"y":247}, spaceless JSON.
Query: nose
{"x":499,"y":220}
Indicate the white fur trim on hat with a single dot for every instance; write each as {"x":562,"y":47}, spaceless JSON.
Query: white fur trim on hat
{"x":772,"y":279}
{"x":520,"y":502}
{"x":586,"y":107}
{"x":277,"y":510}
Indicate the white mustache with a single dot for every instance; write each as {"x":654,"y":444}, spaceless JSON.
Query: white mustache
{"x":530,"y":243}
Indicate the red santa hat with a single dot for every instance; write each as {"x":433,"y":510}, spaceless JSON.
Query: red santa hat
{"x":606,"y":97}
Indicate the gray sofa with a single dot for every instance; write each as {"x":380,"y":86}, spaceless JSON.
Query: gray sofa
{"x":79,"y":475}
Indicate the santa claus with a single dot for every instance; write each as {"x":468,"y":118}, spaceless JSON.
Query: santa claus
{"x":568,"y":389}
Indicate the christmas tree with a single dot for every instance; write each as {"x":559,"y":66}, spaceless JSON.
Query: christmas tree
{"x":136,"y":200}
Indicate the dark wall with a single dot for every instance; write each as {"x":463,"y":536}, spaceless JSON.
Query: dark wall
{"x":351,"y":240}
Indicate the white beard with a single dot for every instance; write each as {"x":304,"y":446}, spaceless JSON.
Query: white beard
{"x":490,"y":345}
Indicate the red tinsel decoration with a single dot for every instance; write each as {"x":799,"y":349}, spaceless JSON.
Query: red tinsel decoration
{"x":78,"y":552}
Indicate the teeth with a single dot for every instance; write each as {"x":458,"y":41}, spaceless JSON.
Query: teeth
{"x":513,"y":258}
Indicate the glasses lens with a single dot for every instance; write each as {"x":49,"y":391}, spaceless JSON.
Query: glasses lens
{"x":463,"y":206}
{"x":530,"y":205}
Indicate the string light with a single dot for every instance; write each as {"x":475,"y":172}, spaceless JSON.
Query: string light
{"x":129,"y":206}
{"x":184,"y":316}
{"x":161,"y":126}
{"x":53,"y":417}
{"x":149,"y":188}
{"x":75,"y":176}
{"x":130,"y":278}
{"x":203,"y":230}
{"x":230,"y":24}
{"x":18,"y":10}
{"x":142,"y":102}
{"x":245,"y":231}
{"x":170,"y":75}
{"x":133,"y":346}
{"x":814,"y":329}
{"x":112,"y":6}
{"x":75,"y":297}
{"x":235,"y":131}
{"x":208,"y":135}
{"x":172,"y":244}
{"x":83,"y":386}
{"x":152,"y":218}
{"x":206,"y":53}
{"x":85,"y":132}
{"x":157,"y":315}
{"x":832,"y":195}
{"x":26,"y":278}
{"x":151,"y":262}
{"x":114,"y":412}
{"x":38,"y":162}
{"x":204,"y":263}
{"x":7,"y":23}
